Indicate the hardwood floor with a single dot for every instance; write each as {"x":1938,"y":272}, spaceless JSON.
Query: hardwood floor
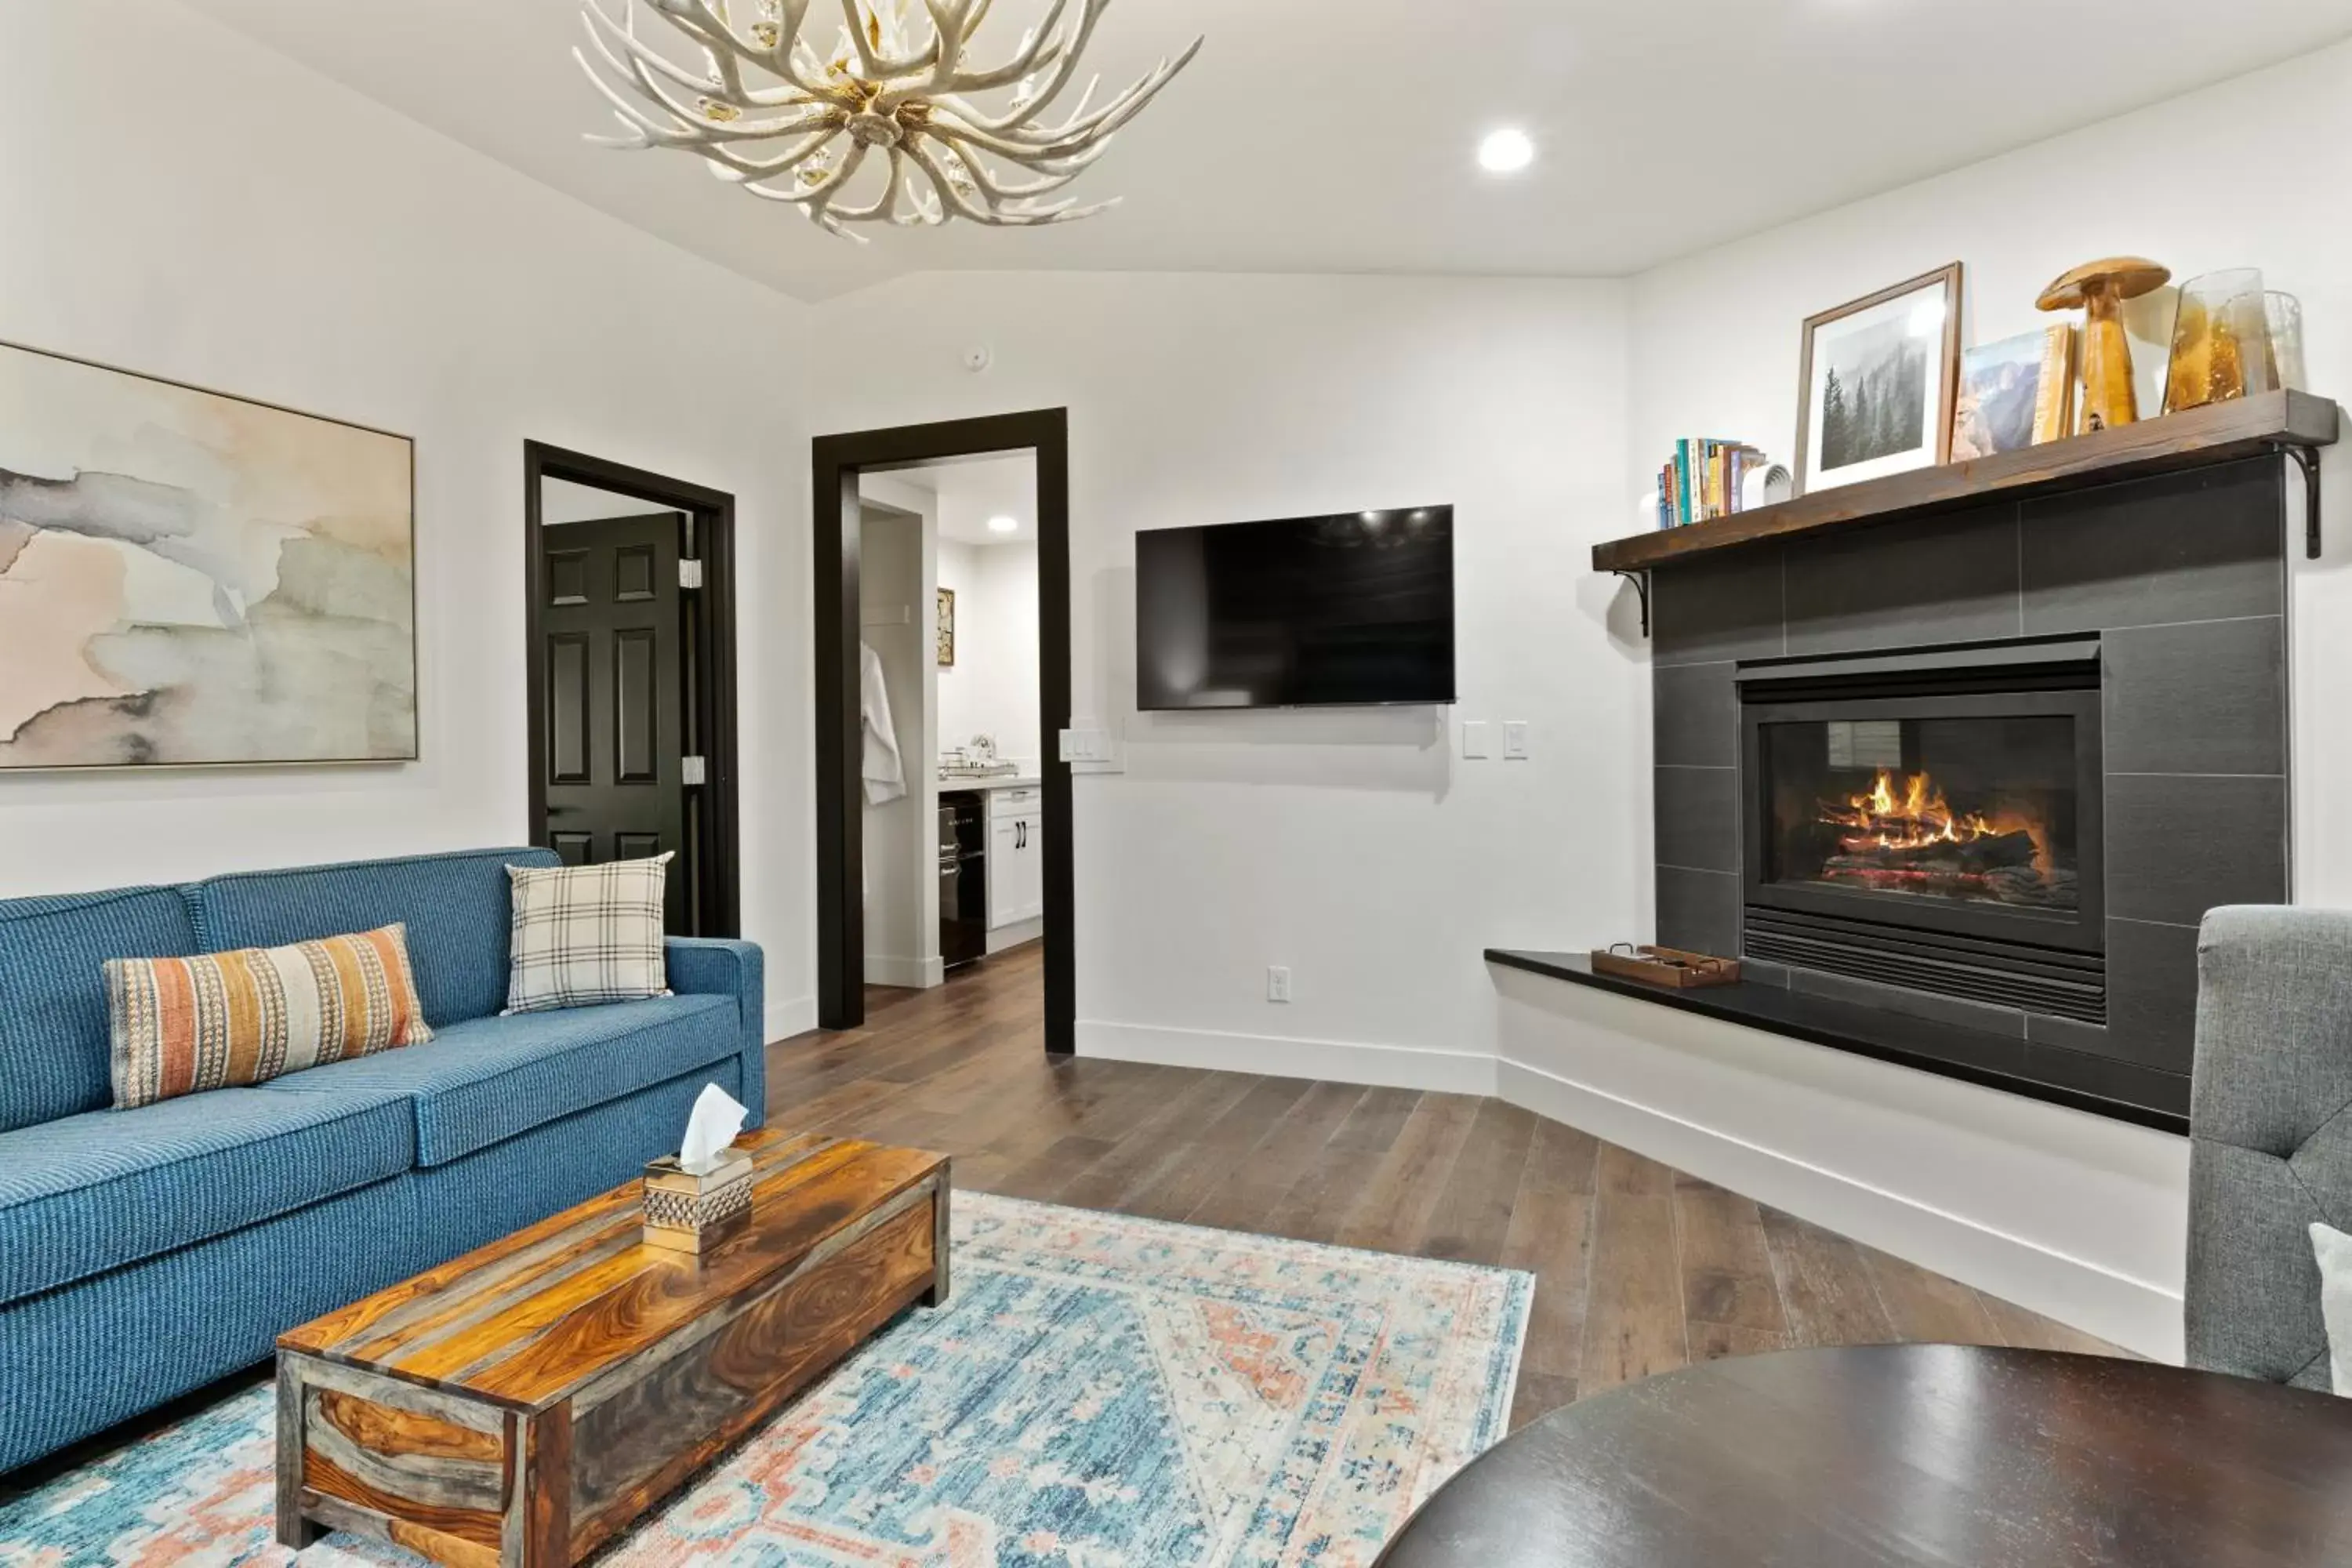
{"x":1639,"y":1268}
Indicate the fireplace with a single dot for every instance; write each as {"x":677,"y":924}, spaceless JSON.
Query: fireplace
{"x":1931,"y":821}
{"x":2103,"y":671}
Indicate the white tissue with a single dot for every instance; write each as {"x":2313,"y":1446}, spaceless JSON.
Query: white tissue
{"x":710,"y":1129}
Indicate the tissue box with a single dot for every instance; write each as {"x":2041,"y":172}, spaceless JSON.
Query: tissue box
{"x":686,"y":1213}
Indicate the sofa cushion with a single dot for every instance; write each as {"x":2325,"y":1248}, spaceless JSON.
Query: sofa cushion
{"x":53,"y":1028}
{"x":485,"y":1080}
{"x":223,"y":1020}
{"x":93,"y":1192}
{"x":454,"y":907}
{"x":583,"y":936}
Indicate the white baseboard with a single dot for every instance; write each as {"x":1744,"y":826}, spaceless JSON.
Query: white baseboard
{"x":1835,"y":1141}
{"x":1016,"y":934}
{"x":795,"y":1016}
{"x":908,"y":974}
{"x":1338,"y":1061}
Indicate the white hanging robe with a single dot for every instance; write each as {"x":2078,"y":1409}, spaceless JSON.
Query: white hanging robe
{"x":884,"y":773}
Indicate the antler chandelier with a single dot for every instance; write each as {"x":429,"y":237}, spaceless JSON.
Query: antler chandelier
{"x":770,"y":113}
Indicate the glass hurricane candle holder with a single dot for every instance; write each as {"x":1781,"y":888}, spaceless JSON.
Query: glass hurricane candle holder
{"x":2220,"y":342}
{"x":2284,"y":313}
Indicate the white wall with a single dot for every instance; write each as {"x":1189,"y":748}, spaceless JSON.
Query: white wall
{"x":993,"y":690}
{"x":902,"y":924}
{"x":1353,"y":848}
{"x":2197,"y":184}
{"x":562,"y":501}
{"x":253,"y":227}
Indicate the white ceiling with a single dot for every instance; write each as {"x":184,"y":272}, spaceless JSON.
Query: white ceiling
{"x":1337,"y":135}
{"x":973,"y":491}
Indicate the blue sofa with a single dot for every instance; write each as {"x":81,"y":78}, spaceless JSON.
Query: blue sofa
{"x":145,"y":1252}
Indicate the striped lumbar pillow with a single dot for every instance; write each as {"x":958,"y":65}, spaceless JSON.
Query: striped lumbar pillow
{"x":185,"y":1025}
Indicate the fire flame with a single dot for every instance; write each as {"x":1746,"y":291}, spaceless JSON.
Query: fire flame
{"x":1918,"y":817}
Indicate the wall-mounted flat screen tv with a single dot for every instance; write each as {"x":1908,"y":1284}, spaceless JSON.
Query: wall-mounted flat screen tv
{"x":1313,"y":612}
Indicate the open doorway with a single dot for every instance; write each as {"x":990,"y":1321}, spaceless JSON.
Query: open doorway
{"x":942,"y":566}
{"x":629,"y":615}
{"x":953,"y":751}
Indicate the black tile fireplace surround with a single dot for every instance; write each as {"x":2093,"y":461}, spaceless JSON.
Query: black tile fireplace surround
{"x":1984,"y":771}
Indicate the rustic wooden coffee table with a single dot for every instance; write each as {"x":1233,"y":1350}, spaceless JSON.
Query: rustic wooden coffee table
{"x":524,"y":1403}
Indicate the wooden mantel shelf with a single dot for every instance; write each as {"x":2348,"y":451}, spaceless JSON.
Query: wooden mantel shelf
{"x":2295,"y":423}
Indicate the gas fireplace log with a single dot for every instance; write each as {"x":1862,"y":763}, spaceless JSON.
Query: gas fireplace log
{"x":1974,"y":855}
{"x":2002,"y":849}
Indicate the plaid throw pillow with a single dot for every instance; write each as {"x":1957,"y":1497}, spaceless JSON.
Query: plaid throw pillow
{"x":587,"y":934}
{"x":185,"y":1024}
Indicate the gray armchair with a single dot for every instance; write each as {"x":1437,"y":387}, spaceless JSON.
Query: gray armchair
{"x":2272,"y":1114}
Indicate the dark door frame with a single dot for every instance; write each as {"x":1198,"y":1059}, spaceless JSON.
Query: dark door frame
{"x":713,"y":831}
{"x":836,"y":461}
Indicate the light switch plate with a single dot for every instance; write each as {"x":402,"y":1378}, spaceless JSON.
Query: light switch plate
{"x":1475,"y":745}
{"x":1515,"y":740}
{"x":1088,"y":747}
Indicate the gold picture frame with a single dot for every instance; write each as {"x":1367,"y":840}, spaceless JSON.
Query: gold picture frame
{"x":947,"y":629}
{"x":1877,"y":384}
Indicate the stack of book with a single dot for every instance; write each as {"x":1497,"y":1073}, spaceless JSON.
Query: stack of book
{"x":1704,"y":481}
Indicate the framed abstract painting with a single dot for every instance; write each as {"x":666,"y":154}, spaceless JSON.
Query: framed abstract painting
{"x":188,"y":578}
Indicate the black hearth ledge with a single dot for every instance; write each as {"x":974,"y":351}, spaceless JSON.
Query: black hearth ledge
{"x":1973,"y":1056}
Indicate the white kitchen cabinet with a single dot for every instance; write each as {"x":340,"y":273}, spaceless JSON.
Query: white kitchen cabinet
{"x":1016,"y":858}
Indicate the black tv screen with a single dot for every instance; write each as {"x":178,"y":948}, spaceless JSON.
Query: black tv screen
{"x":1308,"y":613}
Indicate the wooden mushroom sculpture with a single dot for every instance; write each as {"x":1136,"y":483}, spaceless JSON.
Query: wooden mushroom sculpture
{"x":2098,"y":289}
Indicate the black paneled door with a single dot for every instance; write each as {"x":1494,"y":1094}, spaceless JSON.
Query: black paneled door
{"x":615,"y":652}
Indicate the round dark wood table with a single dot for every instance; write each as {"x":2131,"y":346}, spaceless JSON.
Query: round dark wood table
{"x":1896,"y":1456}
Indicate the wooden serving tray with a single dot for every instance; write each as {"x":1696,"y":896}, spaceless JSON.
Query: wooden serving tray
{"x":1668,"y":966}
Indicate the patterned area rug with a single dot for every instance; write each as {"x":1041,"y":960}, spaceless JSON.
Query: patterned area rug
{"x":1101,"y":1393}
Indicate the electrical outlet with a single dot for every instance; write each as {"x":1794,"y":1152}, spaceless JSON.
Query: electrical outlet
{"x":1278,"y":982}
{"x":1515,"y":740}
{"x":1475,"y":745}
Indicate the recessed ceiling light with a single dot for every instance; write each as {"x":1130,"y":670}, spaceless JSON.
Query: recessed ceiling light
{"x":1003,"y":525}
{"x":1505,"y":152}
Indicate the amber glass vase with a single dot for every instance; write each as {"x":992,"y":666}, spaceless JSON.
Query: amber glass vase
{"x":2220,"y":342}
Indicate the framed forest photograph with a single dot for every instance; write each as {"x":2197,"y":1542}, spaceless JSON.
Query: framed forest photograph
{"x":1877,"y":384}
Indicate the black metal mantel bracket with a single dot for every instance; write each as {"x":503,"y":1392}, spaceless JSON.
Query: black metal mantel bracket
{"x":2307,"y":459}
{"x":1640,"y":581}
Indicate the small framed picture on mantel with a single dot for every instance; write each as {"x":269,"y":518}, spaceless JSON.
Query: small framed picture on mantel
{"x":1878,"y":383}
